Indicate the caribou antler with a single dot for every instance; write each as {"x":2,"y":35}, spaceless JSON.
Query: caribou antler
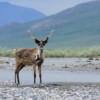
{"x":46,"y":40}
{"x":33,"y":38}
{"x":50,"y":33}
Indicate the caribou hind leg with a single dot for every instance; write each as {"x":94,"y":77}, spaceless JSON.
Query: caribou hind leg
{"x":34,"y":69}
{"x":18,"y":68}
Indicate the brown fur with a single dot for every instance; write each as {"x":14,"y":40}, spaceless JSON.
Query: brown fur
{"x":26,"y":56}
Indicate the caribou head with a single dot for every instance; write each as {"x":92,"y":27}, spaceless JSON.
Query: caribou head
{"x":41,"y":43}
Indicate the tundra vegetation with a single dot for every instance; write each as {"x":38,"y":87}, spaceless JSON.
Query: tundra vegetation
{"x":78,"y":52}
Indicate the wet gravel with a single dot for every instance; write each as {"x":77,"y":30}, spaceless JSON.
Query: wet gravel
{"x":54,"y":91}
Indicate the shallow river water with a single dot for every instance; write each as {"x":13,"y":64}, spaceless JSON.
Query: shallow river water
{"x":49,"y":76}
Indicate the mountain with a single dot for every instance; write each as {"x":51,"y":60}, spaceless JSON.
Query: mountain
{"x":76,"y":27}
{"x":11,"y":13}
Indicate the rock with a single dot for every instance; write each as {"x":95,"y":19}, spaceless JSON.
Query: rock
{"x":7,"y":62}
{"x":88,"y":61}
{"x":66,"y":66}
{"x":97,"y":59}
{"x":90,"y":58}
{"x":96,"y":68}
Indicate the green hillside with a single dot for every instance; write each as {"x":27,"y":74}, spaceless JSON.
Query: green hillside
{"x":76,"y":27}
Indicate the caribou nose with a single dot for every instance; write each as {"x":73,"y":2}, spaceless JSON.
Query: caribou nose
{"x":41,"y":48}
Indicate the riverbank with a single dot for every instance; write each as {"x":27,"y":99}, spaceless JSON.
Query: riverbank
{"x":67,"y":64}
{"x":52,"y":91}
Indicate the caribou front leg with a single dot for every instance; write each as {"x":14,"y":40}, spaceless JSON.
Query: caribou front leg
{"x":34,"y":68}
{"x":39,"y":70}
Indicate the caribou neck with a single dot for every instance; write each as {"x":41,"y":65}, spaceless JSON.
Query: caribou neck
{"x":41,"y":53}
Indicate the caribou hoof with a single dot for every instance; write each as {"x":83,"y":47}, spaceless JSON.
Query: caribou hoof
{"x":15,"y":84}
{"x":41,"y":85}
{"x":35,"y":86}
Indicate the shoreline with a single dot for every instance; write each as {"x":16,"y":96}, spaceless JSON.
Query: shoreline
{"x":63,"y":85}
{"x":51,"y":91}
{"x":67,"y":64}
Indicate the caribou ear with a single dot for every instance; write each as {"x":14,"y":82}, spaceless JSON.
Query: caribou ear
{"x":45,"y":41}
{"x":37,"y":41}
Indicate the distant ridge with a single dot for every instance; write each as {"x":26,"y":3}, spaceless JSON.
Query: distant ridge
{"x":11,"y":13}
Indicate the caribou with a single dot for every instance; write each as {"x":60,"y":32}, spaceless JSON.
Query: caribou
{"x":31,"y":57}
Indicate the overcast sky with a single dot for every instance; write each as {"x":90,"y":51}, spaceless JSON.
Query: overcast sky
{"x":48,"y":7}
